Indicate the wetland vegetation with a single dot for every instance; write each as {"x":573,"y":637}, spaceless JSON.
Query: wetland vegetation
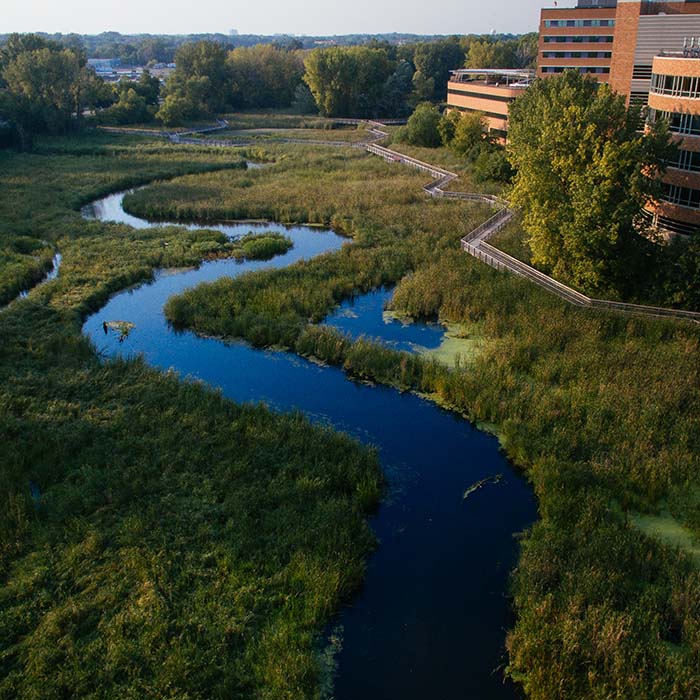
{"x":600,"y":409}
{"x":153,"y":486}
{"x":134,"y":504}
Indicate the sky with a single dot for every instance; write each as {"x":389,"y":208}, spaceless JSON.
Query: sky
{"x":312,"y":17}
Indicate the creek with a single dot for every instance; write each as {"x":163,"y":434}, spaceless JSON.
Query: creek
{"x":431,"y":618}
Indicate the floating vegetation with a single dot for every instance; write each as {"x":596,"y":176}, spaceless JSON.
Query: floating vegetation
{"x":460,"y":346}
{"x":495,"y":479}
{"x":667,"y":529}
{"x":122,"y":328}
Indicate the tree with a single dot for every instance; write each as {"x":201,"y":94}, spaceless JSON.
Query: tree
{"x":583,"y":175}
{"x":492,"y":54}
{"x":491,"y":164}
{"x":470,"y":130}
{"x":435,"y":60}
{"x":448,"y":125}
{"x":43,"y":87}
{"x":423,"y":89}
{"x":348,"y":82}
{"x":148,"y":87}
{"x":200,"y":86}
{"x":304,"y":102}
{"x":396,"y":91}
{"x":264,"y":75}
{"x":526,"y":51}
{"x":422,"y":126}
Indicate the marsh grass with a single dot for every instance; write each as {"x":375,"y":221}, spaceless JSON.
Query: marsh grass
{"x":602,"y":410}
{"x":155,"y":539}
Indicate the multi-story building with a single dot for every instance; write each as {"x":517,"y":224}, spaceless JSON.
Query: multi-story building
{"x":615,"y":40}
{"x":638,"y":36}
{"x":489,"y":91}
{"x":674,"y":96}
{"x":578,"y":37}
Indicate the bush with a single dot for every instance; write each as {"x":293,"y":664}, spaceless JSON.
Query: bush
{"x":422,"y":127}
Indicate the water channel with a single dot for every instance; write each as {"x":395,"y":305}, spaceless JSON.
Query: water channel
{"x":431,"y":618}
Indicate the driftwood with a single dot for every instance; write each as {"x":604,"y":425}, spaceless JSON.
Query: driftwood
{"x":496,"y":478}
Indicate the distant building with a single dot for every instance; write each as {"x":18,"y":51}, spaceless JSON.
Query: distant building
{"x":104,"y":65}
{"x":489,"y":91}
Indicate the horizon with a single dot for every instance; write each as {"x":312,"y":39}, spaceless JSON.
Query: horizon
{"x":291,"y":18}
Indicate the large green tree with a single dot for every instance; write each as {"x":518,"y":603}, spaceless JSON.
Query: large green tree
{"x":43,"y":86}
{"x":434,"y":60}
{"x":584,"y":172}
{"x":200,"y":86}
{"x":264,"y":75}
{"x":487,"y":52}
{"x":348,"y":82}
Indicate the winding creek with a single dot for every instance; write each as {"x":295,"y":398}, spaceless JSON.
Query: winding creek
{"x":431,"y":618}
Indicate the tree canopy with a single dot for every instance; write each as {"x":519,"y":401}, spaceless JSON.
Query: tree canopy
{"x":519,"y":52}
{"x":348,"y":82}
{"x":43,"y":86}
{"x":584,"y":172}
{"x":200,"y":85}
{"x":264,"y":75}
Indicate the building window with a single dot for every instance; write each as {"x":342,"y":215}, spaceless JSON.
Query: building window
{"x":576,"y":54}
{"x":678,"y":123}
{"x":586,"y":39}
{"x":599,"y":70}
{"x":554,"y":23}
{"x":682,"y":196}
{"x":685,"y":160}
{"x":676,"y":85}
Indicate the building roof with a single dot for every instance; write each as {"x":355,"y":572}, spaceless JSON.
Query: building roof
{"x":515,"y":73}
{"x":513,"y":77}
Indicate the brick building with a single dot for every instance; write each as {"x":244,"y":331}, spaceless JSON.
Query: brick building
{"x":674,"y":96}
{"x":615,"y":40}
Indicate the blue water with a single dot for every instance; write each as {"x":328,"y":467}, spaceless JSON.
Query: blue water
{"x":363,"y":316}
{"x":431,"y":618}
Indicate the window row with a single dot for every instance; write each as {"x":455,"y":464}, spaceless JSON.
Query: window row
{"x":580,"y":39}
{"x":576,"y":54}
{"x":581,"y":69}
{"x":481,"y":95}
{"x":685,"y":160}
{"x":553,"y":23}
{"x":683,"y":196}
{"x":677,"y":85}
{"x":678,"y":123}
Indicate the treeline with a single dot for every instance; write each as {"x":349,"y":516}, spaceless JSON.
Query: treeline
{"x":374,"y":80}
{"x":142,"y":49}
{"x":44,"y":86}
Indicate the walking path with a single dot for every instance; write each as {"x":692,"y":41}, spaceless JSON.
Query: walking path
{"x":474,"y":243}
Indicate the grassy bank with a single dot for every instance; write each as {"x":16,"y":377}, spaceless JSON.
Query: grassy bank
{"x":42,"y":192}
{"x":156,"y":540}
{"x":602,"y":410}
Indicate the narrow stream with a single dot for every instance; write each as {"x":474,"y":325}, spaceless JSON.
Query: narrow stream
{"x":431,"y":618}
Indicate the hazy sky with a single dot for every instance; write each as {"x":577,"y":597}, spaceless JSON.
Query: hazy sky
{"x":272,"y":16}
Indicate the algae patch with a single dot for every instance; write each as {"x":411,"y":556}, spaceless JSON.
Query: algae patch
{"x":666,"y":529}
{"x":460,"y":346}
